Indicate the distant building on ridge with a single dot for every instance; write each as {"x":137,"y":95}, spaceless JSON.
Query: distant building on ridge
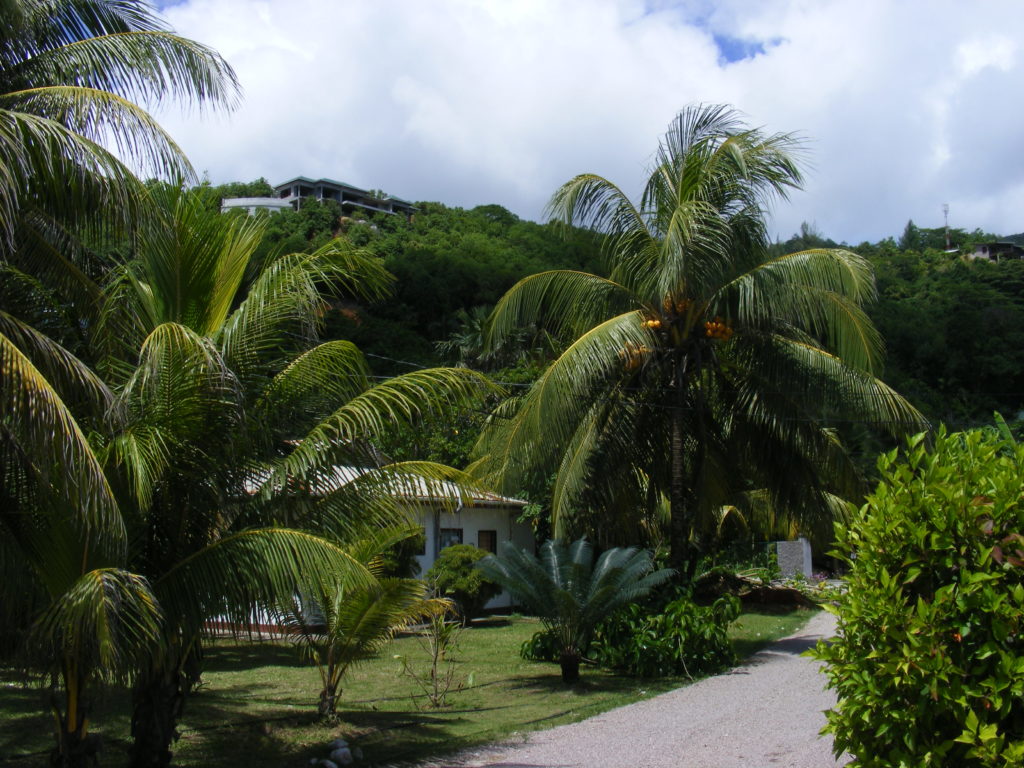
{"x":289,"y":193}
{"x":997,"y":251}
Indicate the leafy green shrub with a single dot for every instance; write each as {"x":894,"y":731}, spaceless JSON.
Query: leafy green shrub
{"x":928,"y":666}
{"x":454,"y":576}
{"x":543,"y":646}
{"x":677,"y":637}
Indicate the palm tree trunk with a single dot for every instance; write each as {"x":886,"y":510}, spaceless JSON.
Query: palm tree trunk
{"x":679,"y":523}
{"x":75,"y":747}
{"x":570,"y":663}
{"x":327,"y":708}
{"x":679,"y":555}
{"x":157,"y":704}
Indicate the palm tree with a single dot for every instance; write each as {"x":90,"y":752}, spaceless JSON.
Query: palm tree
{"x":702,"y":365}
{"x":344,"y":624}
{"x":569,"y":593}
{"x":233,"y":418}
{"x":213,"y":371}
{"x":71,"y":72}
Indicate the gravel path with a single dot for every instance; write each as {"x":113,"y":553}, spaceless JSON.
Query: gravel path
{"x":766,"y":712}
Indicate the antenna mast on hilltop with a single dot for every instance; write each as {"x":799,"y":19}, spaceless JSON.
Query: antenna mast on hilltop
{"x":945,"y":215}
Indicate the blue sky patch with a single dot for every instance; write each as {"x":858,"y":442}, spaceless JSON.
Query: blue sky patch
{"x":731,"y":49}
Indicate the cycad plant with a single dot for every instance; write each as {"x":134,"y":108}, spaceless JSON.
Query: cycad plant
{"x":702,"y":365}
{"x":569,"y":592}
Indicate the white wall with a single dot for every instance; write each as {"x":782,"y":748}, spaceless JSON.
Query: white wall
{"x":472,"y":520}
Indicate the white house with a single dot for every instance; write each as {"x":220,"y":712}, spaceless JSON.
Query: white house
{"x":252,"y":204}
{"x":450,"y":515}
{"x":485,"y":521}
{"x":997,"y":251}
{"x":447,"y":513}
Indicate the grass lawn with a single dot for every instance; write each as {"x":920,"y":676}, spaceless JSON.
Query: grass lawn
{"x":257,"y":704}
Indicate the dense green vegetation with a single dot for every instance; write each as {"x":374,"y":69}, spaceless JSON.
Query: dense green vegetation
{"x":447,"y":262}
{"x":928,"y":665}
{"x":218,"y":417}
{"x":951,"y":326}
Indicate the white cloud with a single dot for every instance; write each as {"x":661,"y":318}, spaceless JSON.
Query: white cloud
{"x":906,"y":105}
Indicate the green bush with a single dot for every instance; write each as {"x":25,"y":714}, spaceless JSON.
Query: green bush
{"x":674,"y":636}
{"x":928,"y":666}
{"x":543,"y":646}
{"x":453,"y":575}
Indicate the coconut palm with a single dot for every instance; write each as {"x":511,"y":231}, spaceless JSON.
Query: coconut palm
{"x":569,"y":592}
{"x":73,"y":74}
{"x":70,"y":73}
{"x":234,"y":418}
{"x":219,"y":425}
{"x":702,"y":365}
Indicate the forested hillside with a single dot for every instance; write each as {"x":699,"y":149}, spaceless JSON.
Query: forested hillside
{"x":447,"y":262}
{"x":954,"y":328}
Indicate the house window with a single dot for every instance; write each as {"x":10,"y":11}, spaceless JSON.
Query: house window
{"x":487,"y":541}
{"x":450,"y":536}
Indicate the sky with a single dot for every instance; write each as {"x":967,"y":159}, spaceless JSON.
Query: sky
{"x":903,"y":105}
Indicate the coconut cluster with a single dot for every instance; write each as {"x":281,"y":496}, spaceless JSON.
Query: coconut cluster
{"x":717,"y":329}
{"x":633,"y":355}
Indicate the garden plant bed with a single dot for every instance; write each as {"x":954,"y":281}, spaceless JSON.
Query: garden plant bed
{"x":258,"y":701}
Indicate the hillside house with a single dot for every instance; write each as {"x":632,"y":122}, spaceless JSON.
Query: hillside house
{"x":997,"y":251}
{"x":350,"y":198}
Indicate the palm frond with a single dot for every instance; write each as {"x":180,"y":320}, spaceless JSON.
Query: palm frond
{"x":560,"y":301}
{"x":42,"y":160}
{"x":147,"y":65}
{"x":49,"y":440}
{"x":287,"y":300}
{"x":260,"y":567}
{"x":551,"y":412}
{"x":103,"y":625}
{"x":820,"y":290}
{"x":101,"y":117}
{"x":314,"y":383}
{"x":401,"y":400}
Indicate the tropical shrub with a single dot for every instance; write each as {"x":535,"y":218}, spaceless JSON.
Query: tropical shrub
{"x":928,"y":665}
{"x":569,"y":592}
{"x":543,"y":646}
{"x":673,"y":637}
{"x":455,"y":576}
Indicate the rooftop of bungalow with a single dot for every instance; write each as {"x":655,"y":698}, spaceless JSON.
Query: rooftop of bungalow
{"x":289,"y":193}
